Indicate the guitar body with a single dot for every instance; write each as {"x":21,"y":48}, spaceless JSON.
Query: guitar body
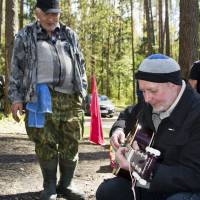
{"x":144,"y":138}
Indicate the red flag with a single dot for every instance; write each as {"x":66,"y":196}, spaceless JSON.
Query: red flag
{"x":96,"y":131}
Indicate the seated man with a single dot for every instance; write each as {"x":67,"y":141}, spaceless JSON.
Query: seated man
{"x":172,"y":111}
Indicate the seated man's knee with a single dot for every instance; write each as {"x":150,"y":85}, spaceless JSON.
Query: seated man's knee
{"x":102,"y":191}
{"x":185,"y":196}
{"x":115,"y":188}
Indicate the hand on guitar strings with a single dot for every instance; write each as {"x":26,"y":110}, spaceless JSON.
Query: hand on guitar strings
{"x":121,"y":159}
{"x":121,"y":155}
{"x":117,"y":139}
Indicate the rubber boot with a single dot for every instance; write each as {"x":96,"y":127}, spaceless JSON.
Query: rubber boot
{"x":49,"y":170}
{"x":65,"y":186}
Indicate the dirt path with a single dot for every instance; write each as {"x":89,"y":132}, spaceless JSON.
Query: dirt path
{"x":20,"y":176}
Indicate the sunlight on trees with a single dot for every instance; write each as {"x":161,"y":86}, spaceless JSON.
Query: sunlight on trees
{"x":104,"y":30}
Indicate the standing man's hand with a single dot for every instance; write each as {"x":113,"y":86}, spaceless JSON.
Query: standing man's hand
{"x":118,"y":138}
{"x":17,"y":108}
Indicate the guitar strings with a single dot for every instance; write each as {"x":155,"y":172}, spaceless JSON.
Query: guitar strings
{"x":133,"y":180}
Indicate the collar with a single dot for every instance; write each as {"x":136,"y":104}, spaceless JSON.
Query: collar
{"x":183,"y":107}
{"x":167,"y":113}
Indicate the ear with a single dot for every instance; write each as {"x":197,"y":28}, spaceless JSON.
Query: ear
{"x":37,"y":13}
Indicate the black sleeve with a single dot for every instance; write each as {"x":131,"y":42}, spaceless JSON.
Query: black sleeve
{"x":185,"y":175}
{"x":195,"y":71}
{"x":127,"y":119}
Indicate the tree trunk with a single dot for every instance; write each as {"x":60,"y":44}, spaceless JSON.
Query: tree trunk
{"x":161,"y":35}
{"x":119,"y":56}
{"x":151,"y":24}
{"x":10,"y":30}
{"x":167,"y":29}
{"x":102,"y":66}
{"x":119,"y":85}
{"x":189,"y":39}
{"x":118,"y":39}
{"x":21,"y":15}
{"x":148,"y":25}
{"x":133,"y":51}
{"x":108,"y":65}
{"x":93,"y":41}
{"x":1,"y":20}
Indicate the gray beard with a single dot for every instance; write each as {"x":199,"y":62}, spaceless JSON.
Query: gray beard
{"x":157,"y":112}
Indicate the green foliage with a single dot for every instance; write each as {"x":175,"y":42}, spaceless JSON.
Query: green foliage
{"x":1,"y":116}
{"x":29,"y":11}
{"x":104,"y":30}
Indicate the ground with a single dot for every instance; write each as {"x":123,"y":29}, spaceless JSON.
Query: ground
{"x":20,"y":173}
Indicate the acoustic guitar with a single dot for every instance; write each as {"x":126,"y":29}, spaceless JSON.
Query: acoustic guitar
{"x":141,"y":161}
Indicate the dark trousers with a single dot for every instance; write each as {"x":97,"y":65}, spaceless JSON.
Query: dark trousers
{"x":119,"y":189}
{"x":185,"y":196}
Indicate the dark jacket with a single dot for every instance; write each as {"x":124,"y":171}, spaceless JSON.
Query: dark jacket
{"x":178,"y":139}
{"x":195,"y":74}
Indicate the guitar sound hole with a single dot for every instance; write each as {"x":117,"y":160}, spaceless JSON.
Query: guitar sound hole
{"x":141,"y":161}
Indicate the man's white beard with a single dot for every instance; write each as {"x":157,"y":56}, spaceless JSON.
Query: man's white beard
{"x":158,"y":110}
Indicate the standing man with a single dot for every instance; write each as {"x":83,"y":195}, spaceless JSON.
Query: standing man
{"x":47,"y":63}
{"x":194,"y":78}
{"x":171,"y":109}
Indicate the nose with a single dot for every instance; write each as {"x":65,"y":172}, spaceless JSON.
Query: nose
{"x":51,"y":18}
{"x":147,"y":97}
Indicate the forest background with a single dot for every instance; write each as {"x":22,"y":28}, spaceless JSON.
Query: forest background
{"x":115,"y":36}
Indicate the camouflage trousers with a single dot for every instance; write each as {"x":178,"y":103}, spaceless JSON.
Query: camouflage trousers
{"x":62,"y":129}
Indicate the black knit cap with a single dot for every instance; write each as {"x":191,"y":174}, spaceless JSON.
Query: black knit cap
{"x":49,"y":6}
{"x":159,"y":68}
